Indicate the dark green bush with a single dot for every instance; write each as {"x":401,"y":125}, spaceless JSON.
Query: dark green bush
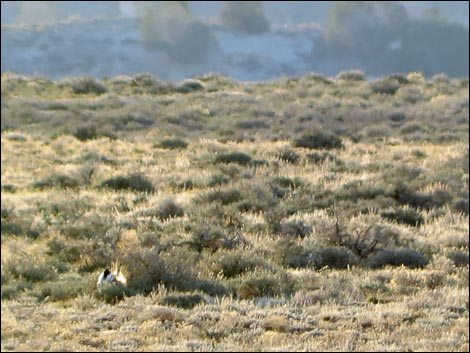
{"x":212,"y":238}
{"x":355,"y":190}
{"x":234,"y":263}
{"x":288,"y":155}
{"x":224,"y":196}
{"x":85,"y":133}
{"x":287,"y":182}
{"x":173,"y":144}
{"x":459,"y":258}
{"x":294,"y":228}
{"x":351,"y":75}
{"x":218,"y":179}
{"x":409,"y":216}
{"x":63,"y":289}
{"x":252,"y":124}
{"x":461,"y":205}
{"x":336,"y":258}
{"x":56,"y":180}
{"x":169,"y":208}
{"x":408,"y":258}
{"x":289,"y":254}
{"x":149,"y":84}
{"x":210,"y":287}
{"x":235,"y":157}
{"x":88,"y":85}
{"x":113,"y":294}
{"x":136,"y":182}
{"x":385,"y":86}
{"x":29,"y":269}
{"x":185,"y":301}
{"x":188,"y":86}
{"x":317,"y":158}
{"x":319,"y":140}
{"x":397,"y":117}
{"x":11,"y":228}
{"x":259,"y":284}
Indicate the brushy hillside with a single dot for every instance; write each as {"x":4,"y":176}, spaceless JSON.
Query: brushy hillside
{"x":309,"y":213}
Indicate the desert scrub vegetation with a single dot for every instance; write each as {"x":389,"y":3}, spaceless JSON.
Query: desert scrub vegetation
{"x":250,"y":216}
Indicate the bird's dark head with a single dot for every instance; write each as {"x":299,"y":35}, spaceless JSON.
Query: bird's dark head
{"x":106,"y":273}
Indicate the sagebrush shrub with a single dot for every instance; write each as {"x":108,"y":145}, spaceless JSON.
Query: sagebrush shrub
{"x":169,"y":208}
{"x":404,"y":216}
{"x":224,"y":196}
{"x":385,"y":86}
{"x":319,"y":140}
{"x":351,"y":75}
{"x":336,"y":258}
{"x":288,"y":155}
{"x":185,"y":301}
{"x":235,"y":157}
{"x":58,"y":181}
{"x":408,"y":258}
{"x":189,"y":85}
{"x":234,"y":263}
{"x":88,"y":85}
{"x":30,"y":269}
{"x":172,"y":144}
{"x":136,"y":182}
{"x":289,"y":254}
{"x":261,"y":284}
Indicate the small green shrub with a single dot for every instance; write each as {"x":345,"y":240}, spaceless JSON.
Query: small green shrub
{"x":113,"y":294}
{"x":173,"y":144}
{"x":235,"y":157}
{"x":232,"y":264}
{"x":29,"y":269}
{"x":336,"y":258}
{"x":397,"y":117}
{"x":319,"y":140}
{"x":286,"y":182}
{"x":224,"y":196}
{"x":85,"y":133}
{"x":408,"y":258}
{"x":407,"y":216}
{"x":260,"y":284}
{"x":289,"y":254}
{"x":149,"y":84}
{"x":294,"y":228}
{"x":212,"y":238}
{"x":459,"y":258}
{"x":318,"y":158}
{"x":169,"y":208}
{"x":385,"y":86}
{"x":252,"y":124}
{"x":136,"y":182}
{"x":185,"y":301}
{"x":56,"y":180}
{"x":189,"y":85}
{"x":88,"y":85}
{"x":62,"y":290}
{"x":11,"y":228}
{"x":351,"y":75}
{"x":355,"y":190}
{"x":288,"y":155}
{"x":218,"y":179}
